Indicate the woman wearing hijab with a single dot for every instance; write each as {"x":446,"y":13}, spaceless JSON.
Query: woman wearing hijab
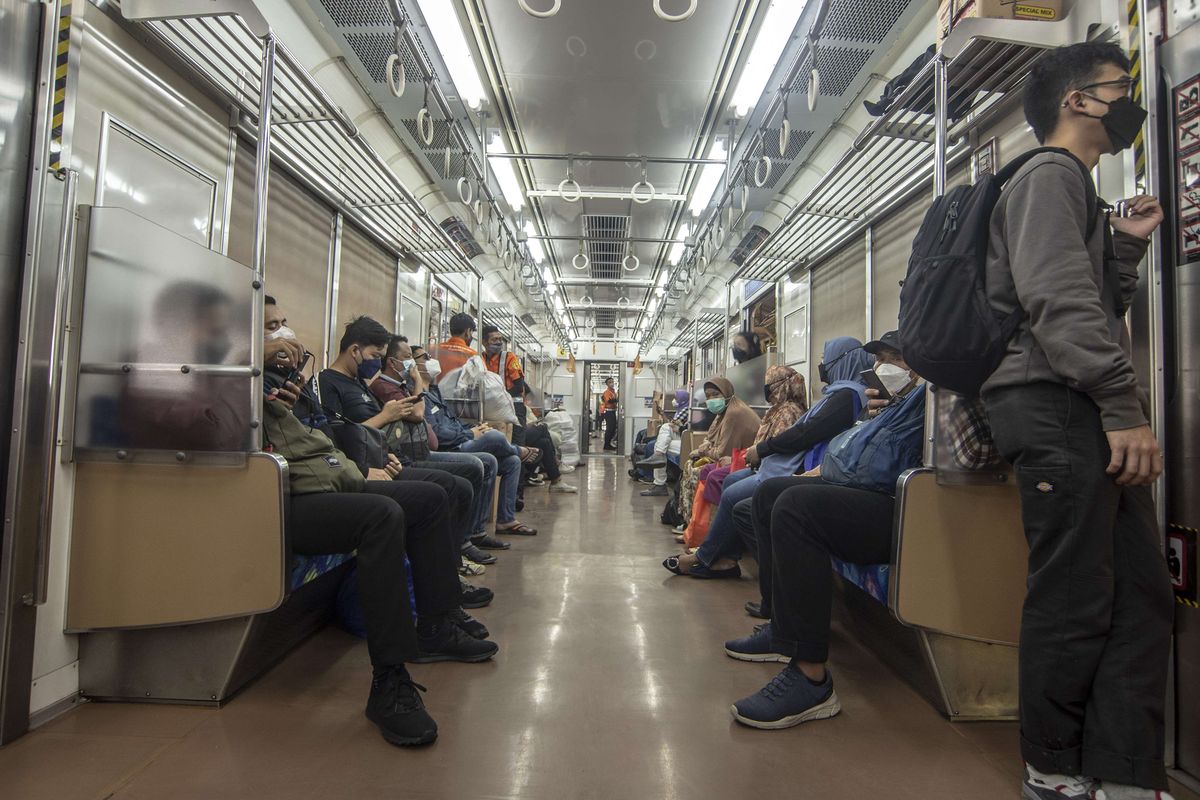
{"x":734,"y":427}
{"x":784,"y":450}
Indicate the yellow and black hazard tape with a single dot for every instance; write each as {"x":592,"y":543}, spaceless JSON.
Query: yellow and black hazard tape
{"x":1177,"y":527}
{"x":1183,"y":601}
{"x":62,"y":51}
{"x":1135,"y":70}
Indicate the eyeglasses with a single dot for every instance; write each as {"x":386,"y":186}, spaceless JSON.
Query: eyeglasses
{"x":1125,"y":84}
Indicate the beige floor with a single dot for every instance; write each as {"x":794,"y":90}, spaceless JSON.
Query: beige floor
{"x":610,"y":683}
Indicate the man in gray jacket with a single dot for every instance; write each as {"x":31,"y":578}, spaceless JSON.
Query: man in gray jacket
{"x":1066,"y":410}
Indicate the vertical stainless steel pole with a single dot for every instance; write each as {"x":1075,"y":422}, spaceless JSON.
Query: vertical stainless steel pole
{"x":262,"y":173}
{"x":869,"y":311}
{"x":331,"y":289}
{"x":940,"y":132}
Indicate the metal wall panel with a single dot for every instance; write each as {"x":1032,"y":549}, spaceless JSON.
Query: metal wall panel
{"x":892,"y":246}
{"x":368,"y":281}
{"x":299,"y":235}
{"x":838,"y":293}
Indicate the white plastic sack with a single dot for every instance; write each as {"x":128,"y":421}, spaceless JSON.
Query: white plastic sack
{"x":497,"y":402}
{"x":563,"y":424}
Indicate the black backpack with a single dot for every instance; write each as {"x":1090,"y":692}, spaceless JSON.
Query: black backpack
{"x":949,"y":332}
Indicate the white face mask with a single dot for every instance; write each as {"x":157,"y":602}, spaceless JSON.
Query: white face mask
{"x":433,"y":367}
{"x":282,"y":332}
{"x":893,"y":377}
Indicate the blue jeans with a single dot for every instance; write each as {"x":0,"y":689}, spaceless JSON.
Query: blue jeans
{"x":483,"y":500}
{"x":509,"y":468}
{"x":722,"y":539}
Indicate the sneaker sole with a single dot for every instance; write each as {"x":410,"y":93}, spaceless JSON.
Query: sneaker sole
{"x":477,"y":604}
{"x":403,"y":741}
{"x":757,"y":657}
{"x":830,"y":708}
{"x":435,"y":658}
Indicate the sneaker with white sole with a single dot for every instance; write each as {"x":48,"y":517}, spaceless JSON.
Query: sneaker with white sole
{"x":1040,"y":786}
{"x":563,"y":488}
{"x":789,"y":699}
{"x":755,"y":647}
{"x":1121,"y":792}
{"x":469,"y":568}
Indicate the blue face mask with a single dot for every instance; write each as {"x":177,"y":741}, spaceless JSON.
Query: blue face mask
{"x":716,"y":404}
{"x":369,"y":368}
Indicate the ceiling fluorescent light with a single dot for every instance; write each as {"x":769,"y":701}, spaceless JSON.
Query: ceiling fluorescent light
{"x":442,"y":20}
{"x":535,"y":245}
{"x":677,"y":248}
{"x":506,"y":174}
{"x":765,"y":53}
{"x":710,"y":177}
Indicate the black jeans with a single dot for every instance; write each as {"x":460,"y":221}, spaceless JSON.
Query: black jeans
{"x":753,"y":521}
{"x":610,"y":428}
{"x":539,"y":437}
{"x":452,"y":479}
{"x":385,"y":522}
{"x":1096,"y":627}
{"x":810,"y":523}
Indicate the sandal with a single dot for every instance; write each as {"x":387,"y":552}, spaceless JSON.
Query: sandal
{"x":671,"y":564}
{"x":530,"y":455}
{"x":518,"y":530}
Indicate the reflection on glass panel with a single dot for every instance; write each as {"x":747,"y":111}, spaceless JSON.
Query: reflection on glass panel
{"x":410,"y":319}
{"x":152,"y":183}
{"x":165,"y":345}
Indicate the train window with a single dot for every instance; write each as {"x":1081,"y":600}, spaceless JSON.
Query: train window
{"x":137,"y":174}
{"x":410,"y":318}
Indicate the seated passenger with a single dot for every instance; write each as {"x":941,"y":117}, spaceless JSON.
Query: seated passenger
{"x":785,"y":447}
{"x":667,"y":444}
{"x":454,"y":436}
{"x":844,"y":400}
{"x":840,"y":509}
{"x":734,"y":427}
{"x":505,"y":363}
{"x":344,"y":392}
{"x":399,"y":379}
{"x":333,"y":510}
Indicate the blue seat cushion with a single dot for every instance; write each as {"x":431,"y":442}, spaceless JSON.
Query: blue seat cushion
{"x":309,"y":568}
{"x":871,"y":578}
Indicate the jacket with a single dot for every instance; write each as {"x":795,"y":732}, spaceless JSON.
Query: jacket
{"x":314,"y":464}
{"x":450,"y":432}
{"x":1073,"y":330}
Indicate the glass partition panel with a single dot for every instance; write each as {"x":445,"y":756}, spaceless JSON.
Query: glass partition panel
{"x":164,"y":355}
{"x":963,"y":448}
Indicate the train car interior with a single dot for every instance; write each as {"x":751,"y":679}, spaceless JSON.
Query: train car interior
{"x":588,"y":386}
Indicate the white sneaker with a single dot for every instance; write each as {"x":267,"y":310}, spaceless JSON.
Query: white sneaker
{"x":1040,"y":786}
{"x":469,"y":567}
{"x":563,"y":488}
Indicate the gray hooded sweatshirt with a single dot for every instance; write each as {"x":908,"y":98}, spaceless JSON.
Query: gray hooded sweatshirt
{"x":1038,"y":260}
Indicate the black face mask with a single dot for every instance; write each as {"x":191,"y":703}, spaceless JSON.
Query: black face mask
{"x":1123,"y":122}
{"x":823,"y":368}
{"x":767,"y":391}
{"x":740,"y":355}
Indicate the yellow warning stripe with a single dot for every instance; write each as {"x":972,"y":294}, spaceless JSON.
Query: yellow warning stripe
{"x":1175,"y":527}
{"x":1135,"y":70}
{"x":62,"y":52}
{"x":1183,"y":601}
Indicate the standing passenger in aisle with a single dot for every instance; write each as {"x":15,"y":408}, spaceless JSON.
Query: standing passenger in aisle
{"x":609,"y":403}
{"x":1067,"y":411}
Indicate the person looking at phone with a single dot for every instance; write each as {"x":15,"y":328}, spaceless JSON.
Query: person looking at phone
{"x":890,"y":377}
{"x":400,"y":379}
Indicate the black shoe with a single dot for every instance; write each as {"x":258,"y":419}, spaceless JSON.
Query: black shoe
{"x":469,"y":625}
{"x":395,"y":706}
{"x":612,"y":449}
{"x":478,"y":556}
{"x":652,"y":463}
{"x":486,"y":542}
{"x":475,"y":596}
{"x":657,"y":491}
{"x":520,"y":504}
{"x":448,"y":642}
{"x":755,"y":610}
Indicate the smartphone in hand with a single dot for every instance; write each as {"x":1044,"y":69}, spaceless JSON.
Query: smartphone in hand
{"x":872,"y":381}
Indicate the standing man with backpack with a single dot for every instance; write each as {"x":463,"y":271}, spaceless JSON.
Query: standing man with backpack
{"x":1067,"y":412}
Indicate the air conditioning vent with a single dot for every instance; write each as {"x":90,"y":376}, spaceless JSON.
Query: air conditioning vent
{"x":606,"y":256}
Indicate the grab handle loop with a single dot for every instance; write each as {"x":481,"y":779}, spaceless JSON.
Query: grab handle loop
{"x":637,"y":262}
{"x":396,"y":87}
{"x":663,"y":15}
{"x":446,"y":161}
{"x":761,"y":174}
{"x":577,"y":193}
{"x":622,"y":302}
{"x":466,"y":190}
{"x":642,"y":199}
{"x":425,"y":120}
{"x":785,"y":130}
{"x":533,"y":12}
{"x":580,"y":265}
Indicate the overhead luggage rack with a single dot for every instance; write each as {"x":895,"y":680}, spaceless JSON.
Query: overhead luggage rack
{"x":311,"y":136}
{"x":920,"y":138}
{"x":511,"y":325}
{"x":699,"y":330}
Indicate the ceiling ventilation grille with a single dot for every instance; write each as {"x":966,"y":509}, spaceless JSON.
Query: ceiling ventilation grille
{"x":353,"y":13}
{"x":862,"y":20}
{"x":606,"y":256}
{"x":838,"y":66}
